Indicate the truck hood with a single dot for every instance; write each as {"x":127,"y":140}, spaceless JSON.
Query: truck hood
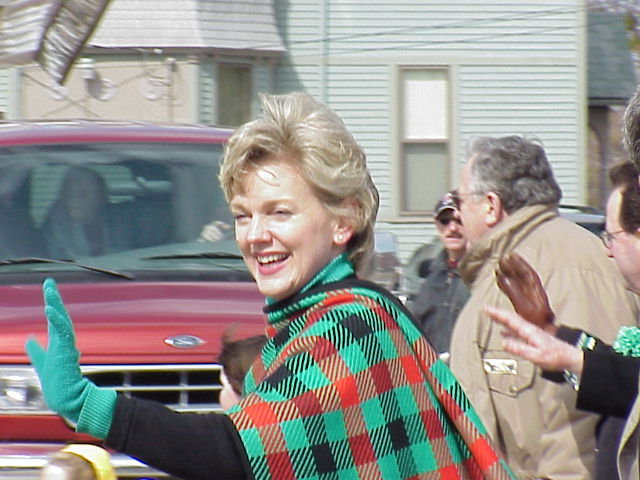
{"x":121,"y":323}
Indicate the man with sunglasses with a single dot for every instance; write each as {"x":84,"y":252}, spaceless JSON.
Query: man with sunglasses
{"x":442,"y":293}
{"x":508,"y":199}
{"x":597,"y":363}
{"x":605,"y":377}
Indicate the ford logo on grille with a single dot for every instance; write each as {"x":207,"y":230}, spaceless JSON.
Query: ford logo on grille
{"x":184,"y":341}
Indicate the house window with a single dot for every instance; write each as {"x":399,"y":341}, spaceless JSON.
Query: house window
{"x":425,"y":138}
{"x":234,"y":94}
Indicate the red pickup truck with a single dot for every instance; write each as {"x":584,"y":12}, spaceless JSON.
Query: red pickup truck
{"x":130,"y":221}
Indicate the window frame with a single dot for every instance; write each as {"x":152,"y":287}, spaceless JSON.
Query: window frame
{"x":402,"y":140}
{"x":249,"y":67}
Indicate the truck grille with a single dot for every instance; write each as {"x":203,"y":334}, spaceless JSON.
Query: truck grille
{"x":184,"y":388}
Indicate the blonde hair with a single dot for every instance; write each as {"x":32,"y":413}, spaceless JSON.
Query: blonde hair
{"x":323,"y":150}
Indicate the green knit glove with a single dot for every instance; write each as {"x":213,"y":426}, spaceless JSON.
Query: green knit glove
{"x":65,"y":390}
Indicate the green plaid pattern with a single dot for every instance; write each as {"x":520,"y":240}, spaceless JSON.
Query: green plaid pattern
{"x":348,"y":388}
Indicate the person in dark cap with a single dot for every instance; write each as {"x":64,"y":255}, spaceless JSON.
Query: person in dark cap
{"x":442,"y":293}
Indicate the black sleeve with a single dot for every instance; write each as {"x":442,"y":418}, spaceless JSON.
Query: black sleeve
{"x":609,"y":382}
{"x":568,"y":334}
{"x":188,"y":445}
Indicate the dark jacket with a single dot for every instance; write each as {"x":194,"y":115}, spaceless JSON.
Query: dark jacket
{"x":441,"y":296}
{"x":604,"y":370}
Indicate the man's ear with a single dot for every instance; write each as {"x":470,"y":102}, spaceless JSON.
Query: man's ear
{"x":494,"y":211}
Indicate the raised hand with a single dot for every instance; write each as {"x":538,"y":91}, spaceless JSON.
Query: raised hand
{"x":65,"y":390}
{"x":534,"y":344}
{"x":520,"y":282}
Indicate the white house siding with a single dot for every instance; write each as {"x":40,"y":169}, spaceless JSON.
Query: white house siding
{"x":262,"y":79}
{"x":516,"y":67}
{"x":499,"y":100}
{"x":355,"y":92}
{"x":299,"y":77}
{"x":4,"y":92}
{"x":302,"y":24}
{"x":230,"y":24}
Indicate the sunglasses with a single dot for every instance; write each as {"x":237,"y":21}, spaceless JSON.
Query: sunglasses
{"x":447,"y":220}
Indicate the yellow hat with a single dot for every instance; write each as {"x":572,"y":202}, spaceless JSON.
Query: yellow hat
{"x":97,"y":457}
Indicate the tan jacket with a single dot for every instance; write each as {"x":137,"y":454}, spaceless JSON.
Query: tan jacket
{"x":534,"y":421}
{"x":629,"y":448}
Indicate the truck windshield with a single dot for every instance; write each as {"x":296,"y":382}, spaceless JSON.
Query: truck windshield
{"x":86,"y":201}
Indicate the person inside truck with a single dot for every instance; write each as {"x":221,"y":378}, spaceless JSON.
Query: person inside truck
{"x":76,"y":224}
{"x":346,"y":384}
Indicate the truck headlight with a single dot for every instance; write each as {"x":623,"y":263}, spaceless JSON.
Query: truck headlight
{"x":20,"y":391}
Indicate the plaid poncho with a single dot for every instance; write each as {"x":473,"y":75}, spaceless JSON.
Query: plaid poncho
{"x":347,"y":387}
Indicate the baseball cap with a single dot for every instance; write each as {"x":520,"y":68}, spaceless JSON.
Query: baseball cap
{"x":446,"y":202}
{"x":97,"y":457}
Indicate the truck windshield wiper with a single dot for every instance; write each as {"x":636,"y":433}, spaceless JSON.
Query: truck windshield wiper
{"x":75,"y":263}
{"x":216,"y":255}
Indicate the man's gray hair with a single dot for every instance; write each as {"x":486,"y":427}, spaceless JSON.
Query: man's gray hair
{"x":515,"y":168}
{"x":631,"y":130}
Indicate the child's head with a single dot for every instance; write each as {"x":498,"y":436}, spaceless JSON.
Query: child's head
{"x":236,"y":358}
{"x":79,"y":462}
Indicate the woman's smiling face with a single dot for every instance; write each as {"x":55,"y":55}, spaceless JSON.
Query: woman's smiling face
{"x":285,"y":233}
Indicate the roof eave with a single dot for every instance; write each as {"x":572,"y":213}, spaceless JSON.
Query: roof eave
{"x":117,"y":50}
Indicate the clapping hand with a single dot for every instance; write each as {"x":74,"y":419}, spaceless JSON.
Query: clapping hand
{"x":534,"y":344}
{"x":520,"y":282}
{"x":531,"y":328}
